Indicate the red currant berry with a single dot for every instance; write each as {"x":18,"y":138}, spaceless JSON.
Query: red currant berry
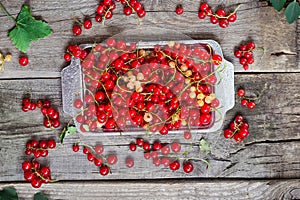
{"x":98,"y":18}
{"x":140,"y":142}
{"x":104,"y":170}
{"x":214,"y":20}
{"x":238,"y":53}
{"x":112,"y":159}
{"x":36,"y":182}
{"x":146,"y":146}
{"x":29,"y":176}
{"x":221,"y":13}
{"x":187,"y":135}
{"x":237,"y":137}
{"x":241,"y":92}
{"x":188,"y":167}
{"x":232,"y":17}
{"x":246,"y":67}
{"x":165,"y":150}
{"x":156,"y":146}
{"x":251,"y":105}
{"x":98,"y":161}
{"x":45,"y":171}
{"x":67,"y":57}
{"x":87,"y":24}
{"x":129,"y":162}
{"x":23,"y":60}
{"x":239,"y":118}
{"x":228,"y":133}
{"x":250,"y":45}
{"x":90,"y":157}
{"x":76,"y":30}
{"x":250,"y":60}
{"x":127,"y":11}
{"x":176,"y":147}
{"x":243,"y":60}
{"x":132,"y":146}
{"x":26,"y":165}
{"x":75,"y":147}
{"x":204,"y":6}
{"x":201,"y":15}
{"x":175,"y":165}
{"x":179,"y":10}
{"x":244,"y":102}
{"x":99,"y":149}
{"x":85,"y":150}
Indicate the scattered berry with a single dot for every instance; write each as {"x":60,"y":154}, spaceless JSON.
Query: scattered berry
{"x":179,"y":10}
{"x":23,"y":60}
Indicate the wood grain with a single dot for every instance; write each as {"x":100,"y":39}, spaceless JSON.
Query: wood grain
{"x":46,"y":55}
{"x":168,"y":189}
{"x":271,"y":151}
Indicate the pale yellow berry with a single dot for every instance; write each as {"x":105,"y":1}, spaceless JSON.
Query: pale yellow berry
{"x":188,"y":73}
{"x":1,"y":57}
{"x":183,"y":122}
{"x":140,"y":89}
{"x":148,"y":117}
{"x":208,"y":99}
{"x":176,"y":118}
{"x":129,"y":73}
{"x":200,"y":96}
{"x":130,"y":85}
{"x":171,"y":43}
{"x":132,"y":78}
{"x":125,"y":78}
{"x":142,"y":52}
{"x":187,"y":80}
{"x":140,"y":76}
{"x":193,"y":89}
{"x":183,"y":67}
{"x":192,"y":95}
{"x":212,"y":96}
{"x":172,"y":64}
{"x":137,"y":84}
{"x":200,"y":103}
{"x":8,"y":58}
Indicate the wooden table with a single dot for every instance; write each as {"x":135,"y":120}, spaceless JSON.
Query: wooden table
{"x":265,"y":166}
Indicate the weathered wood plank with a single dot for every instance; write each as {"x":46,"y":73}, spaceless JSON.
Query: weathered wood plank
{"x":46,"y":56}
{"x":271,"y":151}
{"x":169,"y":189}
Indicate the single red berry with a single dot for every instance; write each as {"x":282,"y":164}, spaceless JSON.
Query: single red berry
{"x":243,"y":60}
{"x":29,"y":176}
{"x":244,"y":102}
{"x":76,"y":30}
{"x":98,"y":161}
{"x":250,"y":60}
{"x":179,"y":10}
{"x":104,"y":170}
{"x":228,"y":133}
{"x":90,"y":157}
{"x":75,"y":147}
{"x":112,"y":159}
{"x":187,"y":135}
{"x":67,"y":57}
{"x":23,"y":60}
{"x":85,"y":150}
{"x":214,"y":20}
{"x":238,"y":53}
{"x":246,"y":67}
{"x":248,"y":54}
{"x":188,"y":167}
{"x":232,"y":17}
{"x":26,"y":165}
{"x":78,"y":103}
{"x":165,"y":150}
{"x":98,"y":18}
{"x":204,"y":6}
{"x":139,"y":141}
{"x":250,"y":45}
{"x":127,"y":10}
{"x":147,"y":155}
{"x":129,"y":162}
{"x":251,"y":105}
{"x":99,"y":148}
{"x":43,"y":144}
{"x":241,"y":92}
{"x":239,"y":118}
{"x":132,"y":146}
{"x":176,"y":147}
{"x":146,"y":146}
{"x":243,"y":47}
{"x":175,"y":165}
{"x":237,"y":137}
{"x":36,"y":182}
{"x":87,"y":24}
{"x":156,"y":146}
{"x":201,"y":15}
{"x":45,"y":171}
{"x":221,"y":13}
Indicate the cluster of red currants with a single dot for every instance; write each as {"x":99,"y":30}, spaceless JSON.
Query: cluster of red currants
{"x":39,"y":149}
{"x":238,"y":129}
{"x":35,"y":174}
{"x":220,"y":16}
{"x":161,"y":154}
{"x":245,"y":54}
{"x":246,"y":101}
{"x":96,"y":156}
{"x":113,"y":75}
{"x":106,"y":7}
{"x":51,"y":115}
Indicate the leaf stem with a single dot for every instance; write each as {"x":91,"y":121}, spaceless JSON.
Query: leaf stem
{"x":6,"y":13}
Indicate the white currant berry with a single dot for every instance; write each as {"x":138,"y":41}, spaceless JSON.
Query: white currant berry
{"x":200,"y":96}
{"x":192,"y":95}
{"x":140,"y":76}
{"x":200,"y":103}
{"x":148,"y":117}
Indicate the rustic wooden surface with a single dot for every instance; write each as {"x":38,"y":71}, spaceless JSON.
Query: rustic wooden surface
{"x":271,"y":153}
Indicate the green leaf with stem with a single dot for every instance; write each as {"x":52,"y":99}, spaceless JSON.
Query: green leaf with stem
{"x":204,"y":146}
{"x":278,"y":4}
{"x":69,"y":130}
{"x":8,"y":193}
{"x":292,"y":12}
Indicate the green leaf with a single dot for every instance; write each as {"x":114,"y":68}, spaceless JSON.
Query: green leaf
{"x":8,"y":194}
{"x":292,"y":12}
{"x":278,"y":4}
{"x":204,"y":146}
{"x":28,"y":29}
{"x":71,"y":130}
{"x":40,"y":196}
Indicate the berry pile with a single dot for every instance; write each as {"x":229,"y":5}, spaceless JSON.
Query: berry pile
{"x":35,"y":174}
{"x":174,"y":87}
{"x":246,"y":101}
{"x":51,"y":115}
{"x":238,"y":129}
{"x":245,"y":54}
{"x":96,"y":156}
{"x":39,"y":149}
{"x":220,"y":17}
{"x":167,"y":155}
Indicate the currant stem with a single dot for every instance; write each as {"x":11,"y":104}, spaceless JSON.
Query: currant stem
{"x":6,"y":13}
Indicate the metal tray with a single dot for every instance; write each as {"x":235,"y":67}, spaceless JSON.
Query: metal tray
{"x":72,"y":82}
